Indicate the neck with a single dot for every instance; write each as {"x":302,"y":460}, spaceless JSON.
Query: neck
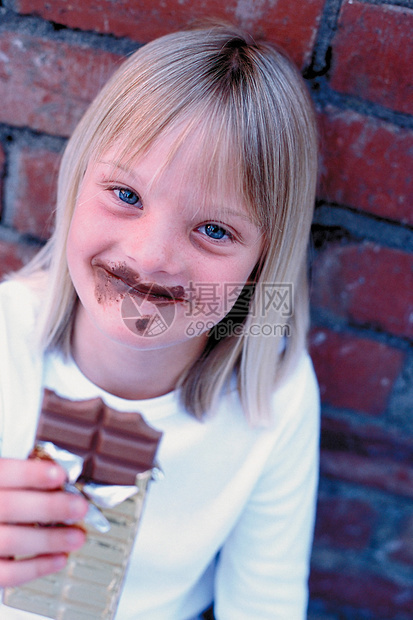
{"x":127,"y":372}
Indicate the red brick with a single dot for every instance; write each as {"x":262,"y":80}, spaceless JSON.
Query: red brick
{"x":367,"y":440}
{"x":367,"y":454}
{"x":13,"y":256}
{"x":344,"y":523}
{"x":366,"y":283}
{"x":354,"y":373}
{"x":366,"y":164}
{"x":372,"y":593}
{"x":380,"y":473}
{"x":47,"y":85}
{"x":34,"y":196}
{"x":373,"y":54}
{"x":291,"y":23}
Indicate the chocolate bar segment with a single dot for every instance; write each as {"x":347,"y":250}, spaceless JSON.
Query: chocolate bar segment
{"x":115,"y":445}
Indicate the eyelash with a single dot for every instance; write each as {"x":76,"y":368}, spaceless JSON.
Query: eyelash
{"x":126,"y":189}
{"x":229,"y":236}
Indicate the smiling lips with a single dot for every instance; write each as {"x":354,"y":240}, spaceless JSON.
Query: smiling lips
{"x":131,"y":279}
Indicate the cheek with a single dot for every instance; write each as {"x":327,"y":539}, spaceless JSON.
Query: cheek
{"x":81,"y":245}
{"x":72,"y":244}
{"x":75,"y":245}
{"x":85,"y":233}
{"x":213,"y":298}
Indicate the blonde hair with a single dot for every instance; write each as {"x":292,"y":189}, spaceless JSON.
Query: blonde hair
{"x":264,"y":137}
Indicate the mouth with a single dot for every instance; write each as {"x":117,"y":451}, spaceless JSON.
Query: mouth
{"x":152,"y":292}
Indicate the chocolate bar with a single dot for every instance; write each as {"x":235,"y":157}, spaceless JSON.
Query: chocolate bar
{"x":114,"y":445}
{"x":117,"y":449}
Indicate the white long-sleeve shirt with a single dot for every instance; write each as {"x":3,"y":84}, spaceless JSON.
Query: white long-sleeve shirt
{"x":232,"y":519}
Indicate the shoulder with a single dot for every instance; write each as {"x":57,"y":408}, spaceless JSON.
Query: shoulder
{"x":291,"y":425}
{"x":299,"y":386}
{"x":19,"y":304}
{"x":296,"y":402}
{"x":20,"y":366}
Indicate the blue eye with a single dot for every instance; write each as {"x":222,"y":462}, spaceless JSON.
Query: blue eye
{"x":127,"y":195}
{"x":215,"y":232}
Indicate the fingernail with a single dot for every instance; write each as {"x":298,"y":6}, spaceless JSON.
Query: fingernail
{"x":54,"y":473}
{"x":75,"y":538}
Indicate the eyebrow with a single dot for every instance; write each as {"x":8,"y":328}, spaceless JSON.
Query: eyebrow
{"x":117,"y":165}
{"x":221,"y":210}
{"x":234,"y":213}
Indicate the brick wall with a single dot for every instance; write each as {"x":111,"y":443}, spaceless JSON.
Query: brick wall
{"x":357,"y":57}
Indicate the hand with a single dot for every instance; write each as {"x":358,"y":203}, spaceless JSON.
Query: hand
{"x":31,"y":493}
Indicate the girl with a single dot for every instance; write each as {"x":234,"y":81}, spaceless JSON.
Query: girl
{"x":187,"y":189}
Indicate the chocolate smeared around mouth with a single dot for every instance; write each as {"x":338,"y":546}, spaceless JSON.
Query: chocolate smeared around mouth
{"x":125,"y":276}
{"x":154,"y":291}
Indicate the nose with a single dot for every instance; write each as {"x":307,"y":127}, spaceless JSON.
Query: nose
{"x":154,"y":245}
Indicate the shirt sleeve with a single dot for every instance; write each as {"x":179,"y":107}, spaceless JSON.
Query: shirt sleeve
{"x":263,"y":567}
{"x":20,"y":369}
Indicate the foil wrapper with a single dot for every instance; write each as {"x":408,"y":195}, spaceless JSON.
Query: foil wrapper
{"x":89,"y":587}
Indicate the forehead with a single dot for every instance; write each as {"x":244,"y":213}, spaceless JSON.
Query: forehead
{"x":202,"y":163}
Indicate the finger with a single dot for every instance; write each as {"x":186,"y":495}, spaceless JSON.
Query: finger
{"x":17,"y":572}
{"x":31,"y":474}
{"x":26,"y":541}
{"x":18,"y":506}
